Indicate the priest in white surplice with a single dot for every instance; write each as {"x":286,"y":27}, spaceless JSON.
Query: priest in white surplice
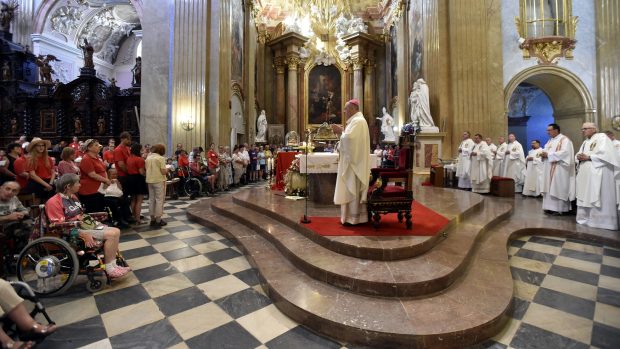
{"x":534,"y":172}
{"x":514,"y":163}
{"x":353,"y":166}
{"x":559,"y":173}
{"x":614,"y":141}
{"x":481,"y":166}
{"x":464,"y":163}
{"x":598,"y":177}
{"x":498,"y":162}
{"x":492,"y":146}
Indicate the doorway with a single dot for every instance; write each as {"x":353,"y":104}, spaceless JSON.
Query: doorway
{"x":541,"y":95}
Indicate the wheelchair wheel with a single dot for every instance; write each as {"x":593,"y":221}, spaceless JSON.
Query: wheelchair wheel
{"x":96,"y":284}
{"x":49,"y":265}
{"x":192,"y":187}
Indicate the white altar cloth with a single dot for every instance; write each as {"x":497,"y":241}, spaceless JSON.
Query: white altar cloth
{"x":325,"y":162}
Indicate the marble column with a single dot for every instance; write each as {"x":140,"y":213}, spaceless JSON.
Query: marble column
{"x":608,"y":59}
{"x":280,"y":65}
{"x":155,"y":111}
{"x":292,"y":109}
{"x":358,"y":80}
{"x":369,"y":88}
{"x":260,"y":65}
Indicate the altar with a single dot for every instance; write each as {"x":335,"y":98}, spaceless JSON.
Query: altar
{"x":322,"y":169}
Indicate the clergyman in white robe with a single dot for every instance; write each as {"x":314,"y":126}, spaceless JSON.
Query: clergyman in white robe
{"x":616,"y":142}
{"x":514,"y":163}
{"x":481,"y":167}
{"x":534,"y":173}
{"x":498,"y":161}
{"x":464,"y":161}
{"x":353,"y":167}
{"x":559,"y":173}
{"x":598,"y":178}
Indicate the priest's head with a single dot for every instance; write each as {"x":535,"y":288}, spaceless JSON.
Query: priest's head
{"x":488,"y":140}
{"x":500,"y":140}
{"x":511,"y":138}
{"x":588,"y":129}
{"x":477,"y":138}
{"x":352,"y":107}
{"x":535,"y":144}
{"x":553,"y":130}
{"x":466,"y":135}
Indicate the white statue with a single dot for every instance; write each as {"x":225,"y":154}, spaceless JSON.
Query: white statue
{"x":387,"y":124}
{"x":261,"y":127}
{"x":420,"y":107}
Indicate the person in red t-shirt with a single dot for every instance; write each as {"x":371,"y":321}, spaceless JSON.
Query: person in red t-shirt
{"x":183,"y":163}
{"x":213,"y":160}
{"x":41,"y":170}
{"x":136,"y":187}
{"x":121,"y":154}
{"x":76,"y":146}
{"x":92,"y":175}
{"x":20,"y":171}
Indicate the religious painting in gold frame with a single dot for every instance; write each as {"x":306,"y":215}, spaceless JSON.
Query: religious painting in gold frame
{"x":323,"y":95}
{"x":47,"y":122}
{"x":237,"y":36}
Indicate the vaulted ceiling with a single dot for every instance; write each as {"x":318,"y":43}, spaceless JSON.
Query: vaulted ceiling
{"x":104,"y":23}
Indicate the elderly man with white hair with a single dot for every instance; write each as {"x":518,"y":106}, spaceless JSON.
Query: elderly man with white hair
{"x":598,"y":177}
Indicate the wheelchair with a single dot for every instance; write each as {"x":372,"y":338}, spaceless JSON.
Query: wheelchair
{"x":52,"y":260}
{"x":24,"y":291}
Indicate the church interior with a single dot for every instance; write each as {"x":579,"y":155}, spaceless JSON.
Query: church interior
{"x":486,"y":214}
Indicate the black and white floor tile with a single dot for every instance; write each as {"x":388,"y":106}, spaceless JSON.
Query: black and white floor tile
{"x":191,"y":288}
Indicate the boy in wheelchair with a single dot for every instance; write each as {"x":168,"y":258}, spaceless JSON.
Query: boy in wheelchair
{"x":64,"y":207}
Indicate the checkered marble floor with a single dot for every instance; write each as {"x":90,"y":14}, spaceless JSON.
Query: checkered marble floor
{"x":191,"y":288}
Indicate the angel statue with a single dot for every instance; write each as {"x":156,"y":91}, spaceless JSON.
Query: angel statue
{"x":45,"y":69}
{"x":7,"y":13}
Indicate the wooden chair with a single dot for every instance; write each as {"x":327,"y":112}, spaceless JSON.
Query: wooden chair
{"x":391,"y":191}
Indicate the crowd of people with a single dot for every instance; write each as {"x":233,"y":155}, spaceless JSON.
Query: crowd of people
{"x":589,"y":178}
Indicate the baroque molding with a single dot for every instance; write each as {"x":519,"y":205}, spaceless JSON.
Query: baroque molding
{"x":280,"y":64}
{"x":293,"y":61}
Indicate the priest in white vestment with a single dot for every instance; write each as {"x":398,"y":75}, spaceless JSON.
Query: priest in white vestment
{"x":492,"y":146}
{"x":464,"y":161}
{"x":614,"y":141}
{"x":559,"y":172}
{"x":498,"y":160}
{"x":514,"y":163}
{"x":353,"y":167}
{"x":534,"y":172}
{"x":598,"y":178}
{"x":481,"y":169}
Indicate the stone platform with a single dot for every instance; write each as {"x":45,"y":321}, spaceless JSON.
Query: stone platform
{"x":446,"y":291}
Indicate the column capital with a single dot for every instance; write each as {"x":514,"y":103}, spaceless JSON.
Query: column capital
{"x":370,"y":64}
{"x":293,"y":61}
{"x":280,"y":64}
{"x":358,"y":63}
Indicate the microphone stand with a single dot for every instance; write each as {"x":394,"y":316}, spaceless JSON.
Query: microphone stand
{"x":305,"y":219}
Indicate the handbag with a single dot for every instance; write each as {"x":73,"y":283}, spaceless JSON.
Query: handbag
{"x":88,"y":223}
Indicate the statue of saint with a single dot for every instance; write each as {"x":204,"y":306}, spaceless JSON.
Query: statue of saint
{"x":45,"y":68}
{"x":14,"y":126}
{"x":88,"y":51}
{"x":261,"y":127}
{"x":77,"y":125}
{"x":137,"y":72}
{"x":6,"y":71}
{"x":387,"y":124}
{"x":101,"y":125}
{"x":7,"y":13}
{"x":420,"y":106}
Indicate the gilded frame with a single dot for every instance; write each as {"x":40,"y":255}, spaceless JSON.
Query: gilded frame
{"x":343,"y":77}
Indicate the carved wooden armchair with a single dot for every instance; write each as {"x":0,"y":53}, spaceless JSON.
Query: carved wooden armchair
{"x":390,"y":191}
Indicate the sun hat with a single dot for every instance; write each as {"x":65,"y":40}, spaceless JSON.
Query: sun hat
{"x":36,"y":141}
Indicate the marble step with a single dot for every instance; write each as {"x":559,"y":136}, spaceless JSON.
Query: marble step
{"x":455,"y":205}
{"x":420,"y":275}
{"x":467,"y":312}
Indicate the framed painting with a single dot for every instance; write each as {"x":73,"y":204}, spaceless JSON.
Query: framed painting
{"x":47,"y":121}
{"x":236,"y":48}
{"x":393,"y":59}
{"x":324,"y":95}
{"x":275,"y":134}
{"x":416,"y":41}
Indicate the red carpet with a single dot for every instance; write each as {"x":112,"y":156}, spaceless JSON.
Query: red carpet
{"x":426,"y":222}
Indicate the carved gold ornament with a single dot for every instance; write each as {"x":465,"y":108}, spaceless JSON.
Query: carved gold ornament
{"x":615,"y":122}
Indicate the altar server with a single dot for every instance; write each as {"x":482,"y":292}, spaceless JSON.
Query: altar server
{"x":481,"y":169}
{"x":534,"y":172}
{"x":498,"y":161}
{"x":559,"y":172}
{"x":598,"y":177}
{"x":353,"y":166}
{"x":514,"y":162}
{"x":464,"y":163}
